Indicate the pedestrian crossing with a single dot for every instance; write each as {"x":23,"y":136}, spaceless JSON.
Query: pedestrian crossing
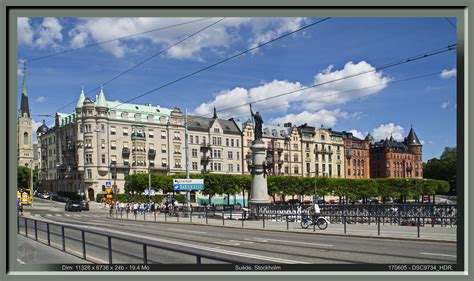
{"x":69,"y":215}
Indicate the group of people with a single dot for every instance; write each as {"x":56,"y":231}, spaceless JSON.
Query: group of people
{"x":140,"y":208}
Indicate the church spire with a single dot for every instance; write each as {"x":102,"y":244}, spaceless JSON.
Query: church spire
{"x":24,"y":106}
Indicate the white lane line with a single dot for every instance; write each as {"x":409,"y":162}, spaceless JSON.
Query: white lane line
{"x":435,"y":254}
{"x":37,"y":215}
{"x":20,"y":261}
{"x":49,"y":215}
{"x":233,"y":242}
{"x":189,"y":245}
{"x":76,"y":215}
{"x":190,"y":231}
{"x":67,"y":215}
{"x":258,"y":239}
{"x":58,"y":215}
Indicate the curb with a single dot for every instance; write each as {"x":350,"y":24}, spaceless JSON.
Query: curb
{"x":305,"y":233}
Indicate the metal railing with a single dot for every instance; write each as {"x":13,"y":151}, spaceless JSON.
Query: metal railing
{"x":144,"y":246}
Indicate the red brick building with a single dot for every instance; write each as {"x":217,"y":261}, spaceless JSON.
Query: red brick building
{"x":357,"y":156}
{"x":393,"y":159}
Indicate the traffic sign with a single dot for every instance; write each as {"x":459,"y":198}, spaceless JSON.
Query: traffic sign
{"x":108,"y":184}
{"x":188,"y":184}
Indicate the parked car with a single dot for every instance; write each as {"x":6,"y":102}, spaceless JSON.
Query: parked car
{"x":73,"y":206}
{"x":45,"y":195}
{"x":85,"y":205}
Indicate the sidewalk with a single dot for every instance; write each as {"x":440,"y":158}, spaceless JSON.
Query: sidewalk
{"x":32,"y":252}
{"x":427,"y":233}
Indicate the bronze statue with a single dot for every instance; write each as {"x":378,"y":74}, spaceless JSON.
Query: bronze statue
{"x":258,"y":124}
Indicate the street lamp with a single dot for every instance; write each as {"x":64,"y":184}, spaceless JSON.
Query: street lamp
{"x":114,"y":187}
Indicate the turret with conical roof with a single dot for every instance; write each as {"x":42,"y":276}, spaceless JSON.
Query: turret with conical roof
{"x":412,"y":139}
{"x":101,"y":101}
{"x":42,"y":129}
{"x":82,"y":97}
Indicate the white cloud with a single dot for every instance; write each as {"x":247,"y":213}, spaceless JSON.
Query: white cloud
{"x":446,"y":74}
{"x":422,"y":142}
{"x":40,"y":99}
{"x":19,"y":67}
{"x":309,"y":99}
{"x":445,"y":104}
{"x":25,"y":32}
{"x":47,"y":34}
{"x":36,"y":125}
{"x":358,"y":134}
{"x":328,"y":118}
{"x":217,"y":38}
{"x":387,"y":130}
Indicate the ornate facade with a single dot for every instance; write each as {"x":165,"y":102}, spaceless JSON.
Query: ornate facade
{"x":24,"y":129}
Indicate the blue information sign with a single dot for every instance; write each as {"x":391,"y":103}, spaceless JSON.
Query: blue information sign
{"x":188,"y":184}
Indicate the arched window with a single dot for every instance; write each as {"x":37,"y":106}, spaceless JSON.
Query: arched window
{"x":25,"y":138}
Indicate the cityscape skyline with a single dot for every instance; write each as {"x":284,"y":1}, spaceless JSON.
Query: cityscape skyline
{"x":359,"y":112}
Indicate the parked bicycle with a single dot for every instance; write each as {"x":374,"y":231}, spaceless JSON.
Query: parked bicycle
{"x":321,"y":222}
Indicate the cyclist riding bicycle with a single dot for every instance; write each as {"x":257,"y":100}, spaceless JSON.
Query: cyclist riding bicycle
{"x":316,"y":211}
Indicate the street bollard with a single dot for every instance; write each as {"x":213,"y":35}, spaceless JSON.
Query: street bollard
{"x":83,"y":244}
{"x":121,"y":214}
{"x":36,"y":230}
{"x":177,"y":216}
{"x":243,"y":218}
{"x":345,"y":227}
{"x":378,"y":226}
{"x":418,"y":228}
{"x":287,"y":223}
{"x":109,"y":240}
{"x":26,"y":227}
{"x":263,"y":220}
{"x":154,"y":215}
{"x":48,"y":234}
{"x":64,"y":238}
{"x":145,"y":256}
{"x":223,"y":223}
{"x":191,"y":216}
{"x":166,"y":216}
{"x":206,"y":215}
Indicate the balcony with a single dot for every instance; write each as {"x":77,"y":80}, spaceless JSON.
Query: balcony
{"x":137,"y":136}
{"x":280,"y":150}
{"x":323,"y":150}
{"x":178,"y":166}
{"x":151,"y":154}
{"x":125,"y":152}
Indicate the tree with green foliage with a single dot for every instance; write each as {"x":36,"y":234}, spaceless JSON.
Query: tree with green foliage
{"x":443,"y":168}
{"x":24,"y":177}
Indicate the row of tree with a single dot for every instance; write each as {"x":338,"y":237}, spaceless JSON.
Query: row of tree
{"x":24,"y":177}
{"x":285,"y":186}
{"x":443,"y":168}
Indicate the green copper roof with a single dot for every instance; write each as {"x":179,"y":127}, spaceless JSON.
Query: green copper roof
{"x":82,"y":97}
{"x":101,"y":102}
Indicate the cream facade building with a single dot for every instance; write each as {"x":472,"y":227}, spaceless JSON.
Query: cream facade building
{"x":322,"y":152}
{"x":104,"y":141}
{"x":283,"y":148}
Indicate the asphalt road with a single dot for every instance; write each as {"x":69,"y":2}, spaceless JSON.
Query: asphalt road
{"x":239,"y":245}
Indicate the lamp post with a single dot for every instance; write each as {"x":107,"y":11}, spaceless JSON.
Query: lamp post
{"x":114,"y":186}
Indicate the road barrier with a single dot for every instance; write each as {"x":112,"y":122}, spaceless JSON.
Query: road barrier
{"x":22,"y":223}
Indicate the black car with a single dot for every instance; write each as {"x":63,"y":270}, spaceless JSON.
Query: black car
{"x":84,"y":205}
{"x":73,"y":206}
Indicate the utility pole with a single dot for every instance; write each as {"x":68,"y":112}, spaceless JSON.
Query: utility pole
{"x":188,"y":194}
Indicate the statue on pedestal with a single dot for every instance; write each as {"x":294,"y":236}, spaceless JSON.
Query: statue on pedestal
{"x":258,"y":125}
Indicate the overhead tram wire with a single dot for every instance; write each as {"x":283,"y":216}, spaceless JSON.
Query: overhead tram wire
{"x":450,"y":22}
{"x":158,"y":53}
{"x":355,"y":90}
{"x":222,"y":61}
{"x":389,"y":65}
{"x":115,"y":39}
{"x":148,"y":59}
{"x":334,"y":94}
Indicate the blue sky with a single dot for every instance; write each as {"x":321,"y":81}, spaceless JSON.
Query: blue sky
{"x":333,"y":49}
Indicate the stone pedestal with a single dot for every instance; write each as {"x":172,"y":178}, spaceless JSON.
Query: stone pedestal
{"x":259,"y":190}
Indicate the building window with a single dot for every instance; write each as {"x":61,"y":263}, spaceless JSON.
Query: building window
{"x":103,"y":158}
{"x":163,"y":148}
{"x":295,"y":169}
{"x":286,"y":170}
{"x":177,"y":136}
{"x":194,"y":152}
{"x":191,"y":139}
{"x":238,"y":155}
{"x":195,"y":165}
{"x":348,"y":172}
{"x":163,"y":134}
{"x":164,"y":162}
{"x":238,"y":167}
{"x":151,"y":133}
{"x":338,"y":170}
{"x":89,"y":173}
{"x":125,"y":131}
{"x":330,"y":170}
{"x":88,"y":158}
{"x":113,"y":130}
{"x":295,"y":158}
{"x":102,"y":144}
{"x":25,"y":138}
{"x":113,"y":159}
{"x":216,"y":130}
{"x":88,"y":143}
{"x":197,"y":139}
{"x":226,"y":142}
{"x":230,"y":168}
{"x":113,"y":145}
{"x":229,"y":155}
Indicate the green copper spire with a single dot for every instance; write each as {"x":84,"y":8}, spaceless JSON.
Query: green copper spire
{"x":101,"y":102}
{"x":82,"y":97}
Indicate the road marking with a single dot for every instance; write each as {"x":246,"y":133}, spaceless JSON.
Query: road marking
{"x":67,"y":215}
{"x":258,"y":239}
{"x":233,"y":242}
{"x":189,"y":245}
{"x":58,"y":215}
{"x":435,"y":254}
{"x":84,"y":215}
{"x":190,"y":231}
{"x":37,"y":215}
{"x":20,"y":261}
{"x":49,"y":215}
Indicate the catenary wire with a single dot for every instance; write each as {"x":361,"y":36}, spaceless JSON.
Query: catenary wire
{"x":115,"y":39}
